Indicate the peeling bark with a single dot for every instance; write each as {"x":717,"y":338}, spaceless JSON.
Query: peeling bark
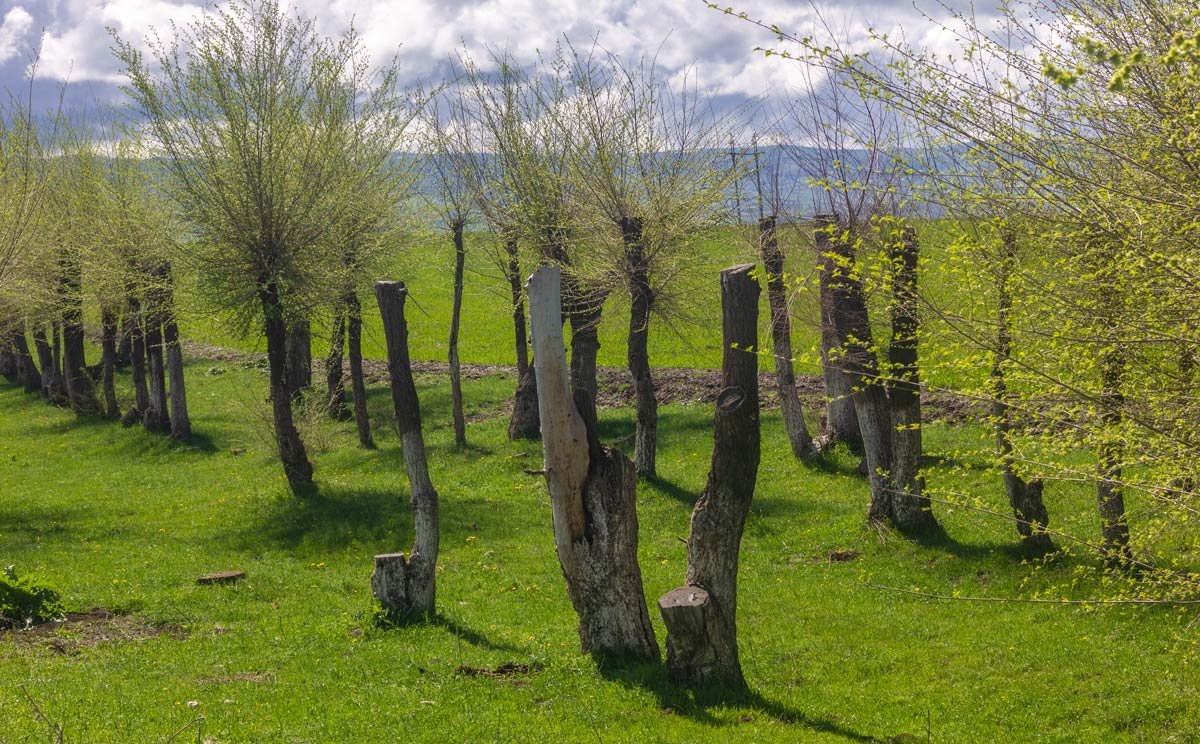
{"x":592,"y":495}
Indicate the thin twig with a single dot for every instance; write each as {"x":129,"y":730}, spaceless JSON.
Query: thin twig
{"x":55,"y":730}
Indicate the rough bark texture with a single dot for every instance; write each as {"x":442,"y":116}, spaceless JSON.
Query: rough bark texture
{"x":872,"y":403}
{"x":181,"y":422}
{"x":80,"y":388}
{"x":299,"y":356}
{"x":582,"y":306}
{"x":1025,"y":497}
{"x":781,"y":335}
{"x":335,"y":378}
{"x":841,"y":420}
{"x":52,"y":384}
{"x":641,"y":299}
{"x":157,"y":416}
{"x":1114,"y":528}
{"x":358,"y":384}
{"x":296,"y":467}
{"x":701,"y":617}
{"x":593,"y":491}
{"x":407,"y":586}
{"x":456,"y":396}
{"x":9,"y":366}
{"x":137,"y":350}
{"x":524,"y":423}
{"x":108,"y":362}
{"x":910,"y":507}
{"x":27,"y":371}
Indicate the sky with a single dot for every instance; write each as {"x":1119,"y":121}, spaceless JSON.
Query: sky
{"x":685,"y":37}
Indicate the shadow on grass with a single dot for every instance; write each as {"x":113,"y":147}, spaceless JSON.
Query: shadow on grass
{"x":697,"y":703}
{"x":385,"y":622}
{"x":329,"y":518}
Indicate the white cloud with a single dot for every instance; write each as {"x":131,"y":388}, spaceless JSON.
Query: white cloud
{"x":716,"y":50}
{"x":13,"y":31}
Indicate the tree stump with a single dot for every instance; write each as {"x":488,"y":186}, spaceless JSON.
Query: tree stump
{"x":407,"y":587}
{"x":701,"y":616}
{"x":592,"y":496}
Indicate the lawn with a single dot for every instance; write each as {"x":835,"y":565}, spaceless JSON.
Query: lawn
{"x":127,"y":521}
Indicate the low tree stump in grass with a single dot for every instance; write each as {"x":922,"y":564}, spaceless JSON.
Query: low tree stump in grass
{"x":389,"y":581}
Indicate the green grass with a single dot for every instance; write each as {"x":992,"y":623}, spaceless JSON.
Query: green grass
{"x":125,"y":520}
{"x":686,"y":334}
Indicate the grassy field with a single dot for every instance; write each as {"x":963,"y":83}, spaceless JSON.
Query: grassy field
{"x":687,"y":334}
{"x":127,"y":521}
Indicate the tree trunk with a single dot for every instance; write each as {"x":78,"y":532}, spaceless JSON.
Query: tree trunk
{"x":456,"y":396}
{"x":641,"y":298}
{"x":781,"y":334}
{"x":582,"y":306}
{"x":137,"y":364}
{"x":1025,"y":497}
{"x":358,"y":385}
{"x":181,"y":423}
{"x":299,"y":357}
{"x":56,"y":343}
{"x":296,"y":467}
{"x":841,"y":421}
{"x":80,"y":388}
{"x":157,"y":417}
{"x":53,"y":386}
{"x":108,"y":362}
{"x":407,"y":587}
{"x":593,"y":491}
{"x":27,"y":372}
{"x":335,"y":378}
{"x":9,"y":367}
{"x":124,"y":356}
{"x":524,"y":423}
{"x":910,"y":507}
{"x":1114,"y":528}
{"x":872,"y":403}
{"x":701,"y":616}
{"x":585,"y":348}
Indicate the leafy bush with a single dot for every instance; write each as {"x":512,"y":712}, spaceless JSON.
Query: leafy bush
{"x":26,"y":601}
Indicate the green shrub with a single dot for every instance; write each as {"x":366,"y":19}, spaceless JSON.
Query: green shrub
{"x":26,"y":601}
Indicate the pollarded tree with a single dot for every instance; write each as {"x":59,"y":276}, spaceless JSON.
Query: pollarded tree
{"x":468,"y":122}
{"x":453,"y":203}
{"x":519,"y":114}
{"x":269,"y":134}
{"x":645,"y":161}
